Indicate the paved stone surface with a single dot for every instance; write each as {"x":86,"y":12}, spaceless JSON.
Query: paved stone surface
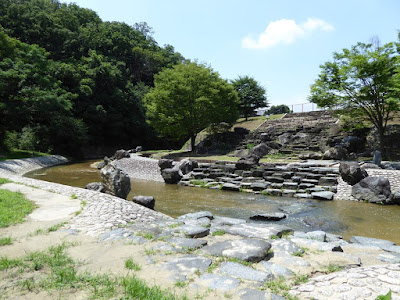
{"x":358,"y":283}
{"x":242,"y":272}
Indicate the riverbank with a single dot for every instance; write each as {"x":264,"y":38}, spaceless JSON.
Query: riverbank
{"x":209,"y":257}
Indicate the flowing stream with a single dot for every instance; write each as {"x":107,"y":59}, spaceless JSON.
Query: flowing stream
{"x":346,"y":218}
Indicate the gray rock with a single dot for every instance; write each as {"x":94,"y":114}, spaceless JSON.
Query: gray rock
{"x":185,"y":243}
{"x":366,"y":241}
{"x":277,"y":270}
{"x":317,"y":245}
{"x":377,"y":159}
{"x":240,"y":271}
{"x":369,"y":166}
{"x":120,"y":154}
{"x":396,"y":198}
{"x":193,"y":231}
{"x":171,"y":175}
{"x":260,"y":150}
{"x":295,"y":208}
{"x":116,"y":182}
{"x":285,"y":246}
{"x":220,"y":221}
{"x":146,"y":201}
{"x":302,"y":196}
{"x":187,"y":165}
{"x":328,"y":181}
{"x":268,"y":217}
{"x":260,"y":231}
{"x":187,"y":265}
{"x":165,"y":163}
{"x":337,"y":153}
{"x":95,"y":186}
{"x":218,"y":282}
{"x":389,"y":258}
{"x":252,"y":250}
{"x":197,"y":215}
{"x":373,"y":190}
{"x":351,"y":172}
{"x":230,"y":187}
{"x":317,"y":235}
{"x":247,"y":162}
{"x":258,"y":186}
{"x":326,"y":196}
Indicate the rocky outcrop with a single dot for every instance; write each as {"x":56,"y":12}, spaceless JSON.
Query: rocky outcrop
{"x":146,"y":201}
{"x":165,"y":163}
{"x":351,"y":172}
{"x":373,"y":190}
{"x":115,"y":181}
{"x":171,"y":175}
{"x":120,"y":154}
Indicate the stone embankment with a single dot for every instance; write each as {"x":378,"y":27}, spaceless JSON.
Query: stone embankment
{"x":101,"y":212}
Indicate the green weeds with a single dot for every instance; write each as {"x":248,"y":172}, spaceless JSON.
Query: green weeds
{"x":5,"y":241}
{"x":131,"y":265}
{"x":13,"y":208}
{"x":218,"y":232}
{"x":4,"y":180}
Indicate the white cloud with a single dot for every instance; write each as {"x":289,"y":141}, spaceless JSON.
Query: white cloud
{"x":285,"y":32}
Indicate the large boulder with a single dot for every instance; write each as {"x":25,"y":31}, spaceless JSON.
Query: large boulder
{"x":171,"y":175}
{"x":120,"y":154}
{"x":373,"y":189}
{"x":247,"y":162}
{"x":146,"y":201}
{"x":351,"y":172}
{"x":165,"y":163}
{"x":336,"y":153}
{"x":95,"y":186}
{"x":186,"y":166}
{"x":377,"y":159}
{"x":260,"y":150}
{"x":116,"y":182}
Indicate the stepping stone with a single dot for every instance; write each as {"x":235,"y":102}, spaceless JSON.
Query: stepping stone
{"x":327,"y":196}
{"x":185,"y":243}
{"x":389,"y":258}
{"x":285,"y":246}
{"x":277,"y":270}
{"x":187,"y":265}
{"x":268,"y":217}
{"x":197,"y":215}
{"x":308,"y":243}
{"x":302,"y":196}
{"x":317,"y":235}
{"x":372,"y":242}
{"x":193,"y":231}
{"x":240,"y":271}
{"x":252,"y":250}
{"x":329,"y":181}
{"x":258,"y":186}
{"x":230,"y":187}
{"x":218,"y":282}
{"x":258,"y":231}
{"x":289,"y":261}
{"x":220,"y":221}
{"x":198,"y":222}
{"x":164,"y":247}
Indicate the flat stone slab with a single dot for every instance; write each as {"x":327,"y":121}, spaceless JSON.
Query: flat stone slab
{"x":220,"y":221}
{"x":185,"y":243}
{"x":242,"y":272}
{"x":317,"y":235}
{"x":193,"y":231}
{"x":382,"y":244}
{"x":230,"y":187}
{"x":317,"y":245}
{"x":277,"y":270}
{"x":389,"y":258}
{"x":268,"y":217}
{"x":285,"y":246}
{"x":325,"y":196}
{"x":187,"y":265}
{"x":251,"y":294}
{"x":218,"y":282}
{"x":258,"y":231}
{"x":252,"y":250}
{"x":197,"y":215}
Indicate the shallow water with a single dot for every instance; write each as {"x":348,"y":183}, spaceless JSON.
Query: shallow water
{"x":346,"y":218}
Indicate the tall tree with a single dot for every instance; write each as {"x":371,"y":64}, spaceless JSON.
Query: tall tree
{"x":251,"y":95}
{"x":188,"y":98}
{"x":363,"y":82}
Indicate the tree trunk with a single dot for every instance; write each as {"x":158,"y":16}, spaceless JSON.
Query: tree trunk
{"x":382,"y":144}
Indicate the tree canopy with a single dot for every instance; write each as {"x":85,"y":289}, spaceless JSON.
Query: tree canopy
{"x":251,"y":95}
{"x":61,"y":63}
{"x":362,"y":82}
{"x":188,"y":98}
{"x":278,"y":109}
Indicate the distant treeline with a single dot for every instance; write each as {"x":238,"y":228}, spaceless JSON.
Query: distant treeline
{"x":69,"y":80}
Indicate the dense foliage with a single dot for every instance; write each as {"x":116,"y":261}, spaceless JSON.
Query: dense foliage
{"x":68,"y":79}
{"x":188,"y":98}
{"x":363,"y":82}
{"x":251,"y":95}
{"x":278,"y":109}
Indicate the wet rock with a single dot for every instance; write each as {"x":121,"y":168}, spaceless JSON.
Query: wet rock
{"x":116,"y":182}
{"x":218,"y":282}
{"x":253,"y":250}
{"x":373,"y":190}
{"x":320,"y":223}
{"x":351,"y":172}
{"x":171,"y":175}
{"x":242,"y":272}
{"x":326,"y":196}
{"x":95,"y":186}
{"x":146,"y":201}
{"x":260,"y":231}
{"x":296,"y":208}
{"x":268,"y":217}
{"x":165,"y":163}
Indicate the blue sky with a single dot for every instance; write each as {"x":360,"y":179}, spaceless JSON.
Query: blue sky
{"x":279,"y":43}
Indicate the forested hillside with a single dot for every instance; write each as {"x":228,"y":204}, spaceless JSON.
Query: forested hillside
{"x":68,"y":80}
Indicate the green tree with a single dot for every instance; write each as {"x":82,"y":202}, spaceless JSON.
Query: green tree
{"x":188,"y":98}
{"x":251,"y":95}
{"x":363,"y":82}
{"x":278,"y":109}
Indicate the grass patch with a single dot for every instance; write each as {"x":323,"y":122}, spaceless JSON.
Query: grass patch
{"x":5,"y":241}
{"x":13,"y":208}
{"x":131,"y":265}
{"x":282,"y":286}
{"x":4,"y":180}
{"x":55,"y":270}
{"x":17,"y":154}
{"x":181,"y":283}
{"x":200,"y":183}
{"x":147,"y":236}
{"x":73,"y":196}
{"x":218,"y":232}
{"x":331,"y":268}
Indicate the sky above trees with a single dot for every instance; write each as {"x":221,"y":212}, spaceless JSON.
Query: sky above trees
{"x":279,"y":43}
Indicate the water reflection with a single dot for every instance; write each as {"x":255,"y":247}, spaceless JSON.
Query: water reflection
{"x":341,"y":217}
